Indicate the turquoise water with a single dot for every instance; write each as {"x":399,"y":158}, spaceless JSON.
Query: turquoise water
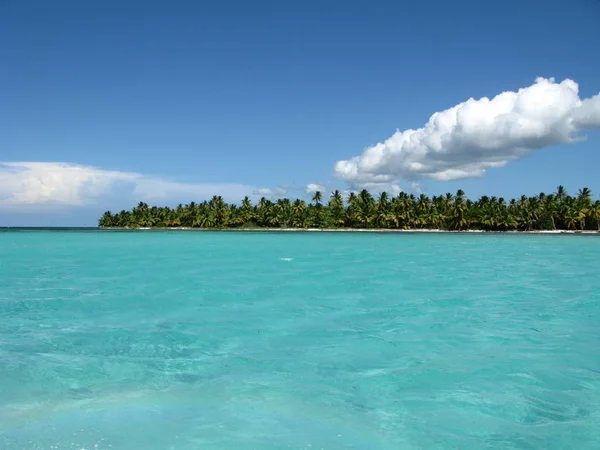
{"x":198,"y":340}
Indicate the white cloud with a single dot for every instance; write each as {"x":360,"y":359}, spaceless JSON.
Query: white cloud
{"x":279,"y":191}
{"x":471,"y":137}
{"x":417,"y":188}
{"x":156,"y":189}
{"x":31,"y":185}
{"x":311,"y":188}
{"x":376,"y":188}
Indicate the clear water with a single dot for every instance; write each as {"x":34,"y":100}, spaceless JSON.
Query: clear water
{"x":196,"y":340}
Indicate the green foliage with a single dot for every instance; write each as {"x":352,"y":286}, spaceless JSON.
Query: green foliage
{"x":448,"y":212}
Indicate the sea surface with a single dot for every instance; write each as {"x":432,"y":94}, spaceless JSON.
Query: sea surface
{"x":224,"y":340}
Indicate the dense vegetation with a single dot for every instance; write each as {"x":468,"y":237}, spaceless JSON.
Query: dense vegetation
{"x":362,"y":210}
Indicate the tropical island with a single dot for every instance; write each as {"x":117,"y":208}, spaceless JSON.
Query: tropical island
{"x":551,"y":212}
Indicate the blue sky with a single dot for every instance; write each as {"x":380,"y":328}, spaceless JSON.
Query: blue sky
{"x":169,"y":102}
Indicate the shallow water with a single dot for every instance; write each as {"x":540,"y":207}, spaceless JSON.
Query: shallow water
{"x":187,"y":340}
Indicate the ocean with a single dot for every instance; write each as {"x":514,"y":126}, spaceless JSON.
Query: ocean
{"x":253,"y":340}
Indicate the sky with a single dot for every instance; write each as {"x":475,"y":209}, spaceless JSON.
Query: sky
{"x":107,"y":103}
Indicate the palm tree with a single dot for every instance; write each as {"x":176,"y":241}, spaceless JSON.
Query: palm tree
{"x":107,"y":220}
{"x":584,"y":202}
{"x":365,"y":198}
{"x":246,"y":212}
{"x":336,"y":207}
{"x":284,"y":212}
{"x":317,"y":197}
{"x":573,"y":218}
{"x":561,"y":193}
{"x":594,"y":213}
{"x":383,"y":201}
{"x":299,"y":219}
{"x":336,"y":199}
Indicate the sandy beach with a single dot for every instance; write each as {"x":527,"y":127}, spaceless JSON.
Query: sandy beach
{"x":354,"y":230}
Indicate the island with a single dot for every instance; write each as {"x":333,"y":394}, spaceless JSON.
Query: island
{"x":362,"y":211}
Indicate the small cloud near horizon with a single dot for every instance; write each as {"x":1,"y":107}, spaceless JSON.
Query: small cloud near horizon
{"x":417,"y":188}
{"x":311,"y":188}
{"x":279,"y":191}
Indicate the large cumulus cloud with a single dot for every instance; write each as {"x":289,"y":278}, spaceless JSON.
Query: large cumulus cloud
{"x":471,"y":137}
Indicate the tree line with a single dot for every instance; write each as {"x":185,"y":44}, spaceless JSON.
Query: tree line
{"x":556,"y":211}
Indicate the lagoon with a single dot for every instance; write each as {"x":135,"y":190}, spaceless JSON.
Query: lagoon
{"x":181,"y":340}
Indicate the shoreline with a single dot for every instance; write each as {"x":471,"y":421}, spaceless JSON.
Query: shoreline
{"x":303,"y":230}
{"x":350,"y":230}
